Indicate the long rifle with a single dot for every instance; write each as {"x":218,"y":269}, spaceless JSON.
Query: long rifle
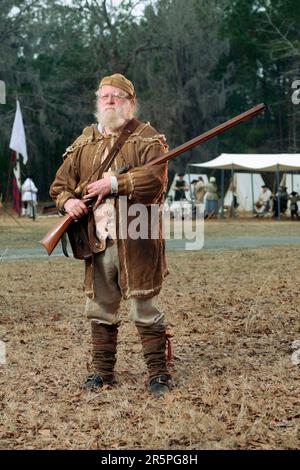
{"x":52,"y":238}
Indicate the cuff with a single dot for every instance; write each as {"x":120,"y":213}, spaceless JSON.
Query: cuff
{"x":114,"y":185}
{"x":125,"y":185}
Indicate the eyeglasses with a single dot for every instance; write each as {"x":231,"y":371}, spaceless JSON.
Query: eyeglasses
{"x":115,"y":96}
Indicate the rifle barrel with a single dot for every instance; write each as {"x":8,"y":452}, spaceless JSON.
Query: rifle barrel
{"x":207,"y":135}
{"x":51,"y":239}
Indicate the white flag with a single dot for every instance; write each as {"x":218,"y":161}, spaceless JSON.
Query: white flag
{"x":18,"y":140}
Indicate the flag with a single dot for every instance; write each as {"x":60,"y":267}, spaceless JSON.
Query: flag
{"x":18,"y":146}
{"x":18,"y":140}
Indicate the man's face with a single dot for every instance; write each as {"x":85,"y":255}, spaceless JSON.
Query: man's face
{"x":114,"y":107}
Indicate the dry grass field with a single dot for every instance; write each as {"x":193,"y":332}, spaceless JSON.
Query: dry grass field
{"x":233,"y":314}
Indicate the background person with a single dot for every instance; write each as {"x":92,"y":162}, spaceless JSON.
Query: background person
{"x":200,"y":190}
{"x":211,"y":198}
{"x":294,"y":198}
{"x":263,"y":204}
{"x":29,"y":197}
{"x":180,"y":187}
{"x":283,"y":197}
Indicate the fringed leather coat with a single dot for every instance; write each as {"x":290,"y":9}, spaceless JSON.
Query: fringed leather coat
{"x":142,"y":261}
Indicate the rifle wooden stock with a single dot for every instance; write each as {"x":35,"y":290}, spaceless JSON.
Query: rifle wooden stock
{"x":52,"y":238}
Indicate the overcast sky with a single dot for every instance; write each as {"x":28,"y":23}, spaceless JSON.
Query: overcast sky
{"x":140,"y":4}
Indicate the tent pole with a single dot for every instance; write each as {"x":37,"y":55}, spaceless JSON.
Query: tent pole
{"x":278,"y":198}
{"x":232,"y":190}
{"x":222,"y":194}
{"x":190,"y":187}
{"x":191,"y":193}
{"x":252,"y":193}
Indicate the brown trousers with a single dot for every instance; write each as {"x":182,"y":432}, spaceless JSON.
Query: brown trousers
{"x":103,"y":311}
{"x":104,"y":308}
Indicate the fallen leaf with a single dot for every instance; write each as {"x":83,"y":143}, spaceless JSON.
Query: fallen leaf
{"x":45,"y":432}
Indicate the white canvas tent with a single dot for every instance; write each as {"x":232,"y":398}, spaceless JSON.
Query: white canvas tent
{"x":243,"y":185}
{"x":243,"y":190}
{"x":256,"y":162}
{"x":285,"y":163}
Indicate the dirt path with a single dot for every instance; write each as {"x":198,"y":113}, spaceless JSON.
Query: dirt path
{"x":172,"y":245}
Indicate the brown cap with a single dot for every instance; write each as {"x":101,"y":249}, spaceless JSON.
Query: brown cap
{"x":119,"y":81}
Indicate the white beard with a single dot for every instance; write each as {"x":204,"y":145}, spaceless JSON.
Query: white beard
{"x":112,"y":118}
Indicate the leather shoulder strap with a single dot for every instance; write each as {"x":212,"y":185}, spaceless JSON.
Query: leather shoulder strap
{"x":127,"y":130}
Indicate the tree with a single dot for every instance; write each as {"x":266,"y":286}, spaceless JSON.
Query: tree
{"x":53,"y":57}
{"x":260,"y":68}
{"x":174,"y":72}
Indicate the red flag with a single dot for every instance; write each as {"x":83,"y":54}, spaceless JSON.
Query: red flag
{"x":16,"y":183}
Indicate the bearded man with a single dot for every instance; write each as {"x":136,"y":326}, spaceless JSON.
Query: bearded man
{"x":131,"y":268}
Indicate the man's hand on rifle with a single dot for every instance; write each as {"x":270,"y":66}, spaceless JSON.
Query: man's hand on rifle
{"x":75,"y":208}
{"x":100,"y":189}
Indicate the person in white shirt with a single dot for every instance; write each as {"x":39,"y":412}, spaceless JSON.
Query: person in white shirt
{"x":29,"y":198}
{"x":262,"y":205}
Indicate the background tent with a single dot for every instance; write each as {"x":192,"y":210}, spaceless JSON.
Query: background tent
{"x":256,"y":162}
{"x":281,"y":162}
{"x":243,"y":190}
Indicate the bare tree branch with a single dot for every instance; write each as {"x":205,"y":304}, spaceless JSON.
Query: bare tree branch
{"x":286,"y":41}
